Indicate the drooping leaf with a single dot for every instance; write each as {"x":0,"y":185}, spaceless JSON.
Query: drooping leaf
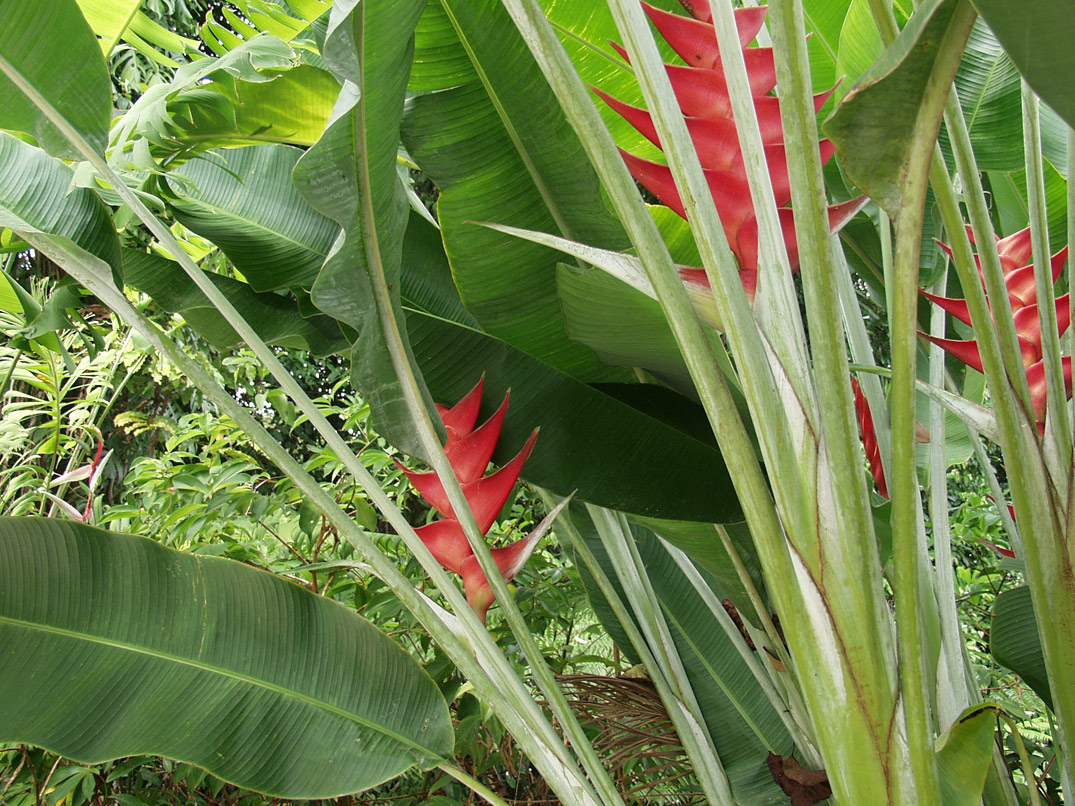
{"x":148,"y":133}
{"x":1014,"y":640}
{"x":274,"y":317}
{"x":964,"y":753}
{"x":509,"y":156}
{"x":1036,"y":35}
{"x":350,"y":176}
{"x":874,"y":126}
{"x":243,"y":200}
{"x":134,"y":648}
{"x":293,"y":109}
{"x":49,"y":57}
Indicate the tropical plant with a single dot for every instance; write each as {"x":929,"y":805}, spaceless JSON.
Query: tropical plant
{"x":718,"y":476}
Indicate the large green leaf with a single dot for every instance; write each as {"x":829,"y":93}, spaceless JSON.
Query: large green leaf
{"x":244,"y":202}
{"x":876,"y":126}
{"x":1037,"y":36}
{"x":134,"y":648}
{"x":509,"y":156}
{"x":351,"y":177}
{"x":741,"y":720}
{"x":1014,"y":641}
{"x":50,"y":57}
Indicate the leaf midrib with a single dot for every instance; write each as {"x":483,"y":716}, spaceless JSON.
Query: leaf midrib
{"x":212,"y":669}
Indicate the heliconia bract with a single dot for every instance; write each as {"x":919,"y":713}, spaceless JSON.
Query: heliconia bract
{"x":469,"y":450}
{"x":702,"y":93}
{"x":1015,"y":256}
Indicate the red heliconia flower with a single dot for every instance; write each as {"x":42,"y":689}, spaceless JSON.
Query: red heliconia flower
{"x":1015,"y":254}
{"x":469,"y":450}
{"x":702,"y":92}
{"x":869,"y":439}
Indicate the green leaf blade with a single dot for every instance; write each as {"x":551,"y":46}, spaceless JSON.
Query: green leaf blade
{"x":135,"y":648}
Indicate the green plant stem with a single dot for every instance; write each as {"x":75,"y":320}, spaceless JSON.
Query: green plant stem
{"x":908,"y":582}
{"x":472,"y":783}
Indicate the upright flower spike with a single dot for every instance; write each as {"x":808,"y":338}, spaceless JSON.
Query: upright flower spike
{"x":1015,"y":253}
{"x":469,"y":450}
{"x":702,"y":92}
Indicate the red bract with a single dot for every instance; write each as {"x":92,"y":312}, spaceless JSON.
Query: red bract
{"x":702,"y":92}
{"x":1014,"y":252}
{"x":469,"y":450}
{"x":869,"y":439}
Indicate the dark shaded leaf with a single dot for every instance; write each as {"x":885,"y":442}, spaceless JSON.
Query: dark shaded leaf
{"x":1014,"y":640}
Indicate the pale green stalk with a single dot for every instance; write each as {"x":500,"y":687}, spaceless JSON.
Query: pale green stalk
{"x":762,"y":379}
{"x":776,"y":306}
{"x":953,"y":698}
{"x":848,"y":547}
{"x":908,"y":582}
{"x":1058,"y":448}
{"x":736,"y":445}
{"x":683,"y":708}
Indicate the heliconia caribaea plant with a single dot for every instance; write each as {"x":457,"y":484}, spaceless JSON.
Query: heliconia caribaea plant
{"x":469,"y":450}
{"x":1015,"y":256}
{"x":702,"y":92}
